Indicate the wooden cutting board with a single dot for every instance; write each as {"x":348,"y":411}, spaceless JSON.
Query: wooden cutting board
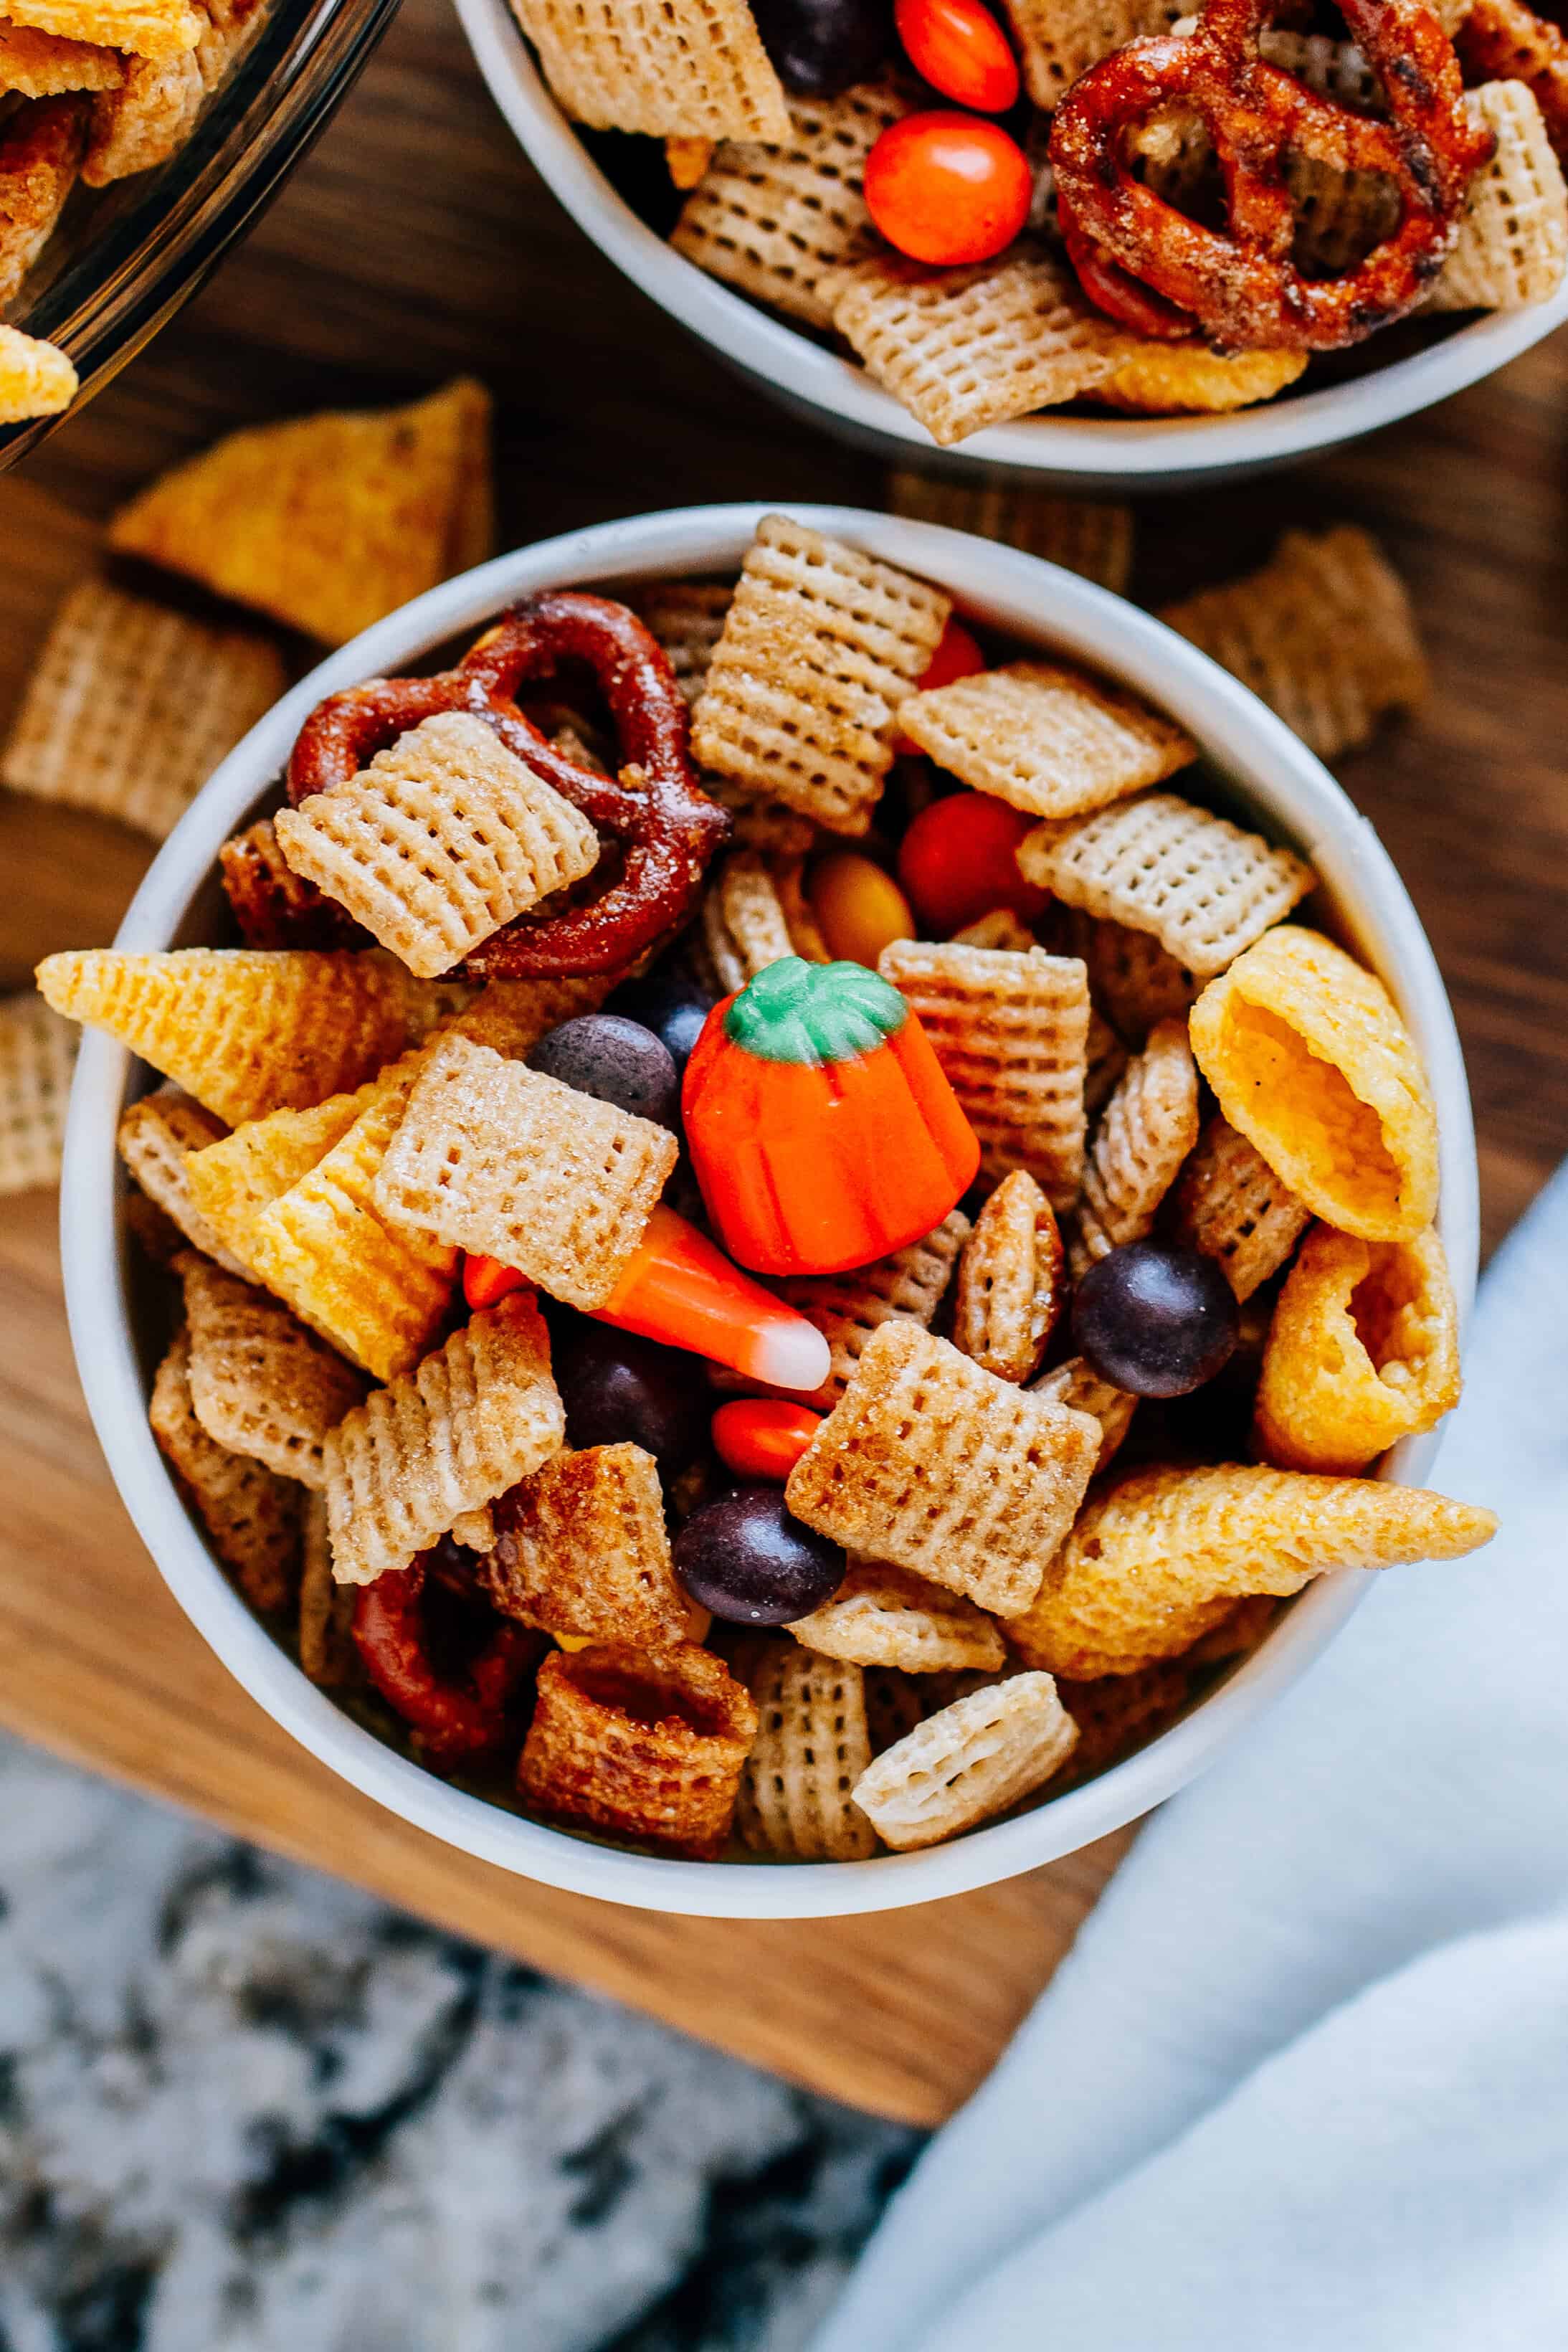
{"x":414,"y":243}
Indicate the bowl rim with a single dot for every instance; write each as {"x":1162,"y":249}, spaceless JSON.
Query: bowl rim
{"x":1106,"y":450}
{"x":1010,"y":590}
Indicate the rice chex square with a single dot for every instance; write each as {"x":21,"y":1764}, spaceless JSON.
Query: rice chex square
{"x":930,"y":1462}
{"x":820,"y":646}
{"x":498,"y":1159}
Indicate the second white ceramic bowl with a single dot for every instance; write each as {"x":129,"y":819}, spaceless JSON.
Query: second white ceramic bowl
{"x":1294,"y":798}
{"x":1085,"y":453}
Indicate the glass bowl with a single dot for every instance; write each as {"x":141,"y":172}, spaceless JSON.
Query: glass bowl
{"x":123,"y":258}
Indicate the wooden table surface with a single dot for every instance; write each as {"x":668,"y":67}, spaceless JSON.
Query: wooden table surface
{"x":414,"y":243}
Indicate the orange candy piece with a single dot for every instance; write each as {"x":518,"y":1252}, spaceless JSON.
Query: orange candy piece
{"x":682,"y":1291}
{"x":486,"y":1280}
{"x":763,"y":1437}
{"x":960,"y":49}
{"x":947,"y":187}
{"x":959,"y":861}
{"x":860,"y":909}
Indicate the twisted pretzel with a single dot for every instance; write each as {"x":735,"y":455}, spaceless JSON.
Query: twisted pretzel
{"x":456,"y":1720}
{"x":666,"y":825}
{"x":1163,"y":274}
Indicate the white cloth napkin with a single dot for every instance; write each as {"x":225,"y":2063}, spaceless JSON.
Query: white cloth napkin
{"x":1302,"y":2083}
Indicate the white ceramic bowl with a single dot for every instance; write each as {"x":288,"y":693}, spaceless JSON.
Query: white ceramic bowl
{"x":1295,"y":798}
{"x":1085,"y":452}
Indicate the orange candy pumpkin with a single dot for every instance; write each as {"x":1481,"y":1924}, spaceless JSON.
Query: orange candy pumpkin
{"x":821,"y":1128}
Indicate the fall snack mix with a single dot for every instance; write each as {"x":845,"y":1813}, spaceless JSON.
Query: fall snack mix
{"x":1002,"y":206}
{"x":92,"y":92}
{"x":787,"y":1349}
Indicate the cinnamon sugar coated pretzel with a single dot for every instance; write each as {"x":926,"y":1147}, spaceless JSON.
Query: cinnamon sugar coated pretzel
{"x":515,"y":1581}
{"x":1163,"y":272}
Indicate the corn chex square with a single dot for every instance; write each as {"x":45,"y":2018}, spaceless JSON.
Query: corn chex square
{"x":471,"y":1420}
{"x":252,"y":1515}
{"x":1076,"y":1384}
{"x":37,"y":1055}
{"x":133,"y":706}
{"x":939,"y":1466}
{"x":40,"y":152}
{"x":1203,"y":886}
{"x":260,"y":1382}
{"x":687,"y":617}
{"x":971,"y":1760}
{"x":693,"y":69}
{"x":582,"y":1548}
{"x":1045,"y":738}
{"x":773,"y":220}
{"x":156,"y":1137}
{"x":1322,"y":633}
{"x":744,"y":927}
{"x":1089,"y":535}
{"x":1011,"y":1281}
{"x":1512,"y":245}
{"x":499,"y":1159}
{"x":813,"y":1745}
{"x":1146,"y":1132}
{"x":1011,"y":1032}
{"x":1229,"y":1204}
{"x":1060,"y":39}
{"x":442,"y":839}
{"x":273,"y":906}
{"x":965,"y":348}
{"x":820,"y":646}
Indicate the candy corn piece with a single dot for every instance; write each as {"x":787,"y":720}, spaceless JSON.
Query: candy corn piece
{"x":683,"y":1290}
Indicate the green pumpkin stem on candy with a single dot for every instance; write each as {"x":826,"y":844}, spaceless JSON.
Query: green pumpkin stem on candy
{"x":814,"y":1014}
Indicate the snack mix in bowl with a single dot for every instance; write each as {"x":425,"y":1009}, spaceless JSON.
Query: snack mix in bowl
{"x":783,"y":1241}
{"x":1002,"y":211}
{"x":92,"y":92}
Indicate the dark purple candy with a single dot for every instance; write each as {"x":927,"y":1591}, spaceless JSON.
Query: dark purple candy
{"x":750,"y":1561}
{"x":672,"y":1005}
{"x":1155,"y":1321}
{"x":617,"y":1060}
{"x":619,"y":1389}
{"x":821,"y":48}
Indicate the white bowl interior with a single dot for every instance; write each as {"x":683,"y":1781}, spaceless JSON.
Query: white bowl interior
{"x":1031,"y":601}
{"x":1098,"y":453}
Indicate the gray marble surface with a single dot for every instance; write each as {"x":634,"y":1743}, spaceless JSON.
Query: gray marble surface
{"x":245,"y":2109}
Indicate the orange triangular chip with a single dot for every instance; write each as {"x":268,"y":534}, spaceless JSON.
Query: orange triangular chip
{"x":328,"y":521}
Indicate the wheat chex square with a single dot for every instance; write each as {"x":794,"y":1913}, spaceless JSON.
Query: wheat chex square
{"x":582,"y":1548}
{"x":909,"y":1285}
{"x":820,"y":646}
{"x":496,"y":1159}
{"x":931,"y":1462}
{"x":156,"y":1137}
{"x":444,"y":837}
